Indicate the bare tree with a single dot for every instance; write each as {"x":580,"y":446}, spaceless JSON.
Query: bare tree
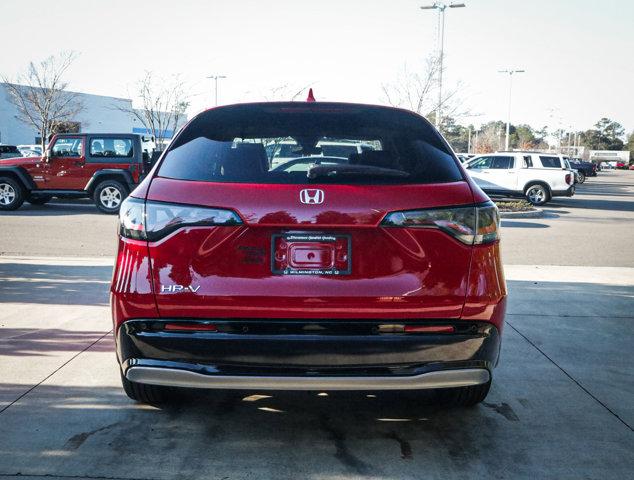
{"x":285,"y":92}
{"x":418,"y":91}
{"x":163,"y":106}
{"x":489,"y":139}
{"x":40,"y":95}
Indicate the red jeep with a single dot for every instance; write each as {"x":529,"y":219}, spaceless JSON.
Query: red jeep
{"x":105,"y":167}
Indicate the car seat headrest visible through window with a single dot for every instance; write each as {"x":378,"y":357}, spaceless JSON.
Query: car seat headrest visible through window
{"x":245,"y":162}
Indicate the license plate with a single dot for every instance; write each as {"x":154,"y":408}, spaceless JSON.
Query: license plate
{"x":310,"y":254}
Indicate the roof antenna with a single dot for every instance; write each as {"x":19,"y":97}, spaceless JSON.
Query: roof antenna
{"x":311,"y":97}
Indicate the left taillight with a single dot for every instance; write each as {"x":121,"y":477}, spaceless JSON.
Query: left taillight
{"x":151,"y":221}
{"x":471,"y":225}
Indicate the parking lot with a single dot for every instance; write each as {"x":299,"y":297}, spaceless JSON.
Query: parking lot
{"x":561,"y":406}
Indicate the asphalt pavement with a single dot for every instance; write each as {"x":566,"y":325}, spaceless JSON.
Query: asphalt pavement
{"x":562,"y":403}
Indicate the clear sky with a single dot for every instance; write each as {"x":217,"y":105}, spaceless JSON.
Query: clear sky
{"x":577,"y":53}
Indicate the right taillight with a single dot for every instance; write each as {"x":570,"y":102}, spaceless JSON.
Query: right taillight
{"x":148,"y":220}
{"x":472,"y":225}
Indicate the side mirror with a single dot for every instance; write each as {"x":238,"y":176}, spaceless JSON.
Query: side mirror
{"x":47,"y":156}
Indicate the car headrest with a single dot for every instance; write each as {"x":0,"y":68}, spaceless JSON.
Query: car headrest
{"x":373,"y":158}
{"x":245,"y":161}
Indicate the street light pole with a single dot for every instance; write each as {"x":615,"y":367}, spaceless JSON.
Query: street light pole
{"x":508,"y":118}
{"x":216,"y":78}
{"x":440,"y":6}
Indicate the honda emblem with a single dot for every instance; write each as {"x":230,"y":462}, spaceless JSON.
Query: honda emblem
{"x":310,"y":196}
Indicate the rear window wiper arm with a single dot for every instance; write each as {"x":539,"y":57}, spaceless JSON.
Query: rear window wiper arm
{"x":363,"y":170}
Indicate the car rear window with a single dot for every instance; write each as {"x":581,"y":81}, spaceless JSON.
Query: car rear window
{"x":296,"y":144}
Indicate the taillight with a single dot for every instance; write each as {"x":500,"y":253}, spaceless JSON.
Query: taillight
{"x":141,"y":220}
{"x":472,"y":225}
{"x":568,"y":178}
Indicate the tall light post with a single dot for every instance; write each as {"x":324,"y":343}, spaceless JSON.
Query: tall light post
{"x":216,"y":78}
{"x":440,"y":6}
{"x":508,"y":118}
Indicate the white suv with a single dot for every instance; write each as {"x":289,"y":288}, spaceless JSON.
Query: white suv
{"x":536,"y":176}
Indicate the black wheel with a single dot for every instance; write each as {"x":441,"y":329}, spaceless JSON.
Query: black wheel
{"x":144,"y":393}
{"x":109,"y":195}
{"x":12,"y":194}
{"x":582,"y":177}
{"x":39,"y":200}
{"x":537,"y":194}
{"x":463,"y":396}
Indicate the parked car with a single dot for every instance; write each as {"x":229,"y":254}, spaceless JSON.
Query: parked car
{"x":585,"y":169}
{"x":28,"y":150}
{"x":103,"y":166}
{"x":25,"y":152}
{"x":9,"y":151}
{"x":537,"y":177}
{"x":281,"y":152}
{"x":380,"y":271}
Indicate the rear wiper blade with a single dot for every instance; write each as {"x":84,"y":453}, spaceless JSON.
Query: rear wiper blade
{"x":346,"y":169}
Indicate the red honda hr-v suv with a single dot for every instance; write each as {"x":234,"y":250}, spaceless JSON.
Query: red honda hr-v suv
{"x":375,"y":266}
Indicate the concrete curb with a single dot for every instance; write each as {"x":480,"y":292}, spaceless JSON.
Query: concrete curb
{"x":535,"y":213}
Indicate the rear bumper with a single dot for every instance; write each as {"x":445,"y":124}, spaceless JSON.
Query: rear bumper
{"x":569,"y":192}
{"x":291,"y":355}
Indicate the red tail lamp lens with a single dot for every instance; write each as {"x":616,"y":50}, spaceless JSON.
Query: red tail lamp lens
{"x":191,"y":327}
{"x":429,"y":329}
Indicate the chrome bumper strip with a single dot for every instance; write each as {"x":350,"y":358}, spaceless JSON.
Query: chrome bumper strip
{"x":183,"y":378}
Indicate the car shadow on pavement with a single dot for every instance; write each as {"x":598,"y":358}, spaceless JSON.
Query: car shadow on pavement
{"x":609,"y":205}
{"x":96,"y":432}
{"x":54,"y":284}
{"x":522,"y":224}
{"x":52,"y":209}
{"x":39,"y":342}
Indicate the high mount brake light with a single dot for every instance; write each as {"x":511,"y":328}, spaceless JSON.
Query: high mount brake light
{"x":140,"y":220}
{"x":472,"y":225}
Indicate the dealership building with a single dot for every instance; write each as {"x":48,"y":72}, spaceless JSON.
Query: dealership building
{"x":99,"y":114}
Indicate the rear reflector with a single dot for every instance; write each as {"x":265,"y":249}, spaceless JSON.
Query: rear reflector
{"x":429,"y":329}
{"x":191,"y":327}
{"x":400,"y":328}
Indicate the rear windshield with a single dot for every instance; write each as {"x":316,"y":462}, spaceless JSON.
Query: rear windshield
{"x":291,"y":144}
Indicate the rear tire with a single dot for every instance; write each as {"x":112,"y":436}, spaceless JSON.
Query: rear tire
{"x":39,"y":200}
{"x":537,"y":194}
{"x":109,"y":195}
{"x":144,"y":393}
{"x":12,"y":194}
{"x":463,"y":396}
{"x":582,"y":177}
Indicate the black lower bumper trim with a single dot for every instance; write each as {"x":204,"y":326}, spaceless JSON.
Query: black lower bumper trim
{"x":306,"y":348}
